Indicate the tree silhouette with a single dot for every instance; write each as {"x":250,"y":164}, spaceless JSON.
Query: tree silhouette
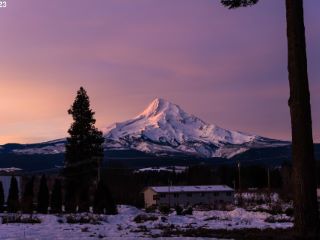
{"x":84,"y":153}
{"x":306,"y":221}
{"x":238,"y":3}
{"x":103,"y":200}
{"x":56,"y":197}
{"x":27,"y":198}
{"x":111,"y":207}
{"x":99,"y":199}
{"x":43,"y":196}
{"x":1,"y":197}
{"x":13,"y":198}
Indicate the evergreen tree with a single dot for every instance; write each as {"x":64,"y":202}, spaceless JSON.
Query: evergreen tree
{"x":1,"y":197}
{"x":103,"y":200}
{"x":99,"y":199}
{"x":111,"y":207}
{"x":306,"y":217}
{"x":56,"y":197}
{"x":43,"y":196}
{"x":238,"y":3}
{"x":84,"y":153}
{"x":13,"y":198}
{"x":27,"y":198}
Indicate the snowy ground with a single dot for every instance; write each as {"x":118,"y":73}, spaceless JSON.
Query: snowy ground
{"x":123,"y":226}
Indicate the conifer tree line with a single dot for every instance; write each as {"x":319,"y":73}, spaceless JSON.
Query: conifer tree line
{"x":38,"y":198}
{"x":26,"y":201}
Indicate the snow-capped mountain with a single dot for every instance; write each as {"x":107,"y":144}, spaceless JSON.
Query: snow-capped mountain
{"x":164,"y":128}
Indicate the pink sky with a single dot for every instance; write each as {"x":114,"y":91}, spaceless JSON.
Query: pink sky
{"x":227,"y":67}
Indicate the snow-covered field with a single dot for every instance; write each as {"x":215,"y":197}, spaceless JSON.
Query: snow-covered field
{"x":126,"y":226}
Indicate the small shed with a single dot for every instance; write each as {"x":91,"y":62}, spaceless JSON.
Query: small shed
{"x":188,"y":195}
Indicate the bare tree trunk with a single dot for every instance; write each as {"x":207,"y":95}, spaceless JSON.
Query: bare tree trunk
{"x":304,"y":173}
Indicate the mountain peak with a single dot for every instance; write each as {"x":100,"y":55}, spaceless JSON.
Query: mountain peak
{"x":158,"y":106}
{"x":159,"y":100}
{"x":158,"y":103}
{"x":165,"y":128}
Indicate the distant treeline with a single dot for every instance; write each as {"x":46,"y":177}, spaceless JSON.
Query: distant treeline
{"x":126,"y":185}
{"x":271,"y":157}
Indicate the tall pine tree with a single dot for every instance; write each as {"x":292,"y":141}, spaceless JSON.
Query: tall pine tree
{"x":103,"y":200}
{"x":43,"y":196}
{"x":99,"y":199}
{"x":1,"y":197}
{"x":306,"y":217}
{"x":56,"y":197}
{"x":27,"y":198}
{"x":13,"y":198}
{"x":111,"y":207}
{"x":84,"y":153}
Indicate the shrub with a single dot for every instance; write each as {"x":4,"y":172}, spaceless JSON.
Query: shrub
{"x":151,"y":209}
{"x":188,"y":211}
{"x":178,"y":210}
{"x":83,"y":218}
{"x":276,"y":209}
{"x":164,"y":209}
{"x":60,"y":220}
{"x":202,"y":207}
{"x":289,"y":212}
{"x":141,"y":218}
{"x":140,"y":229}
{"x":20,"y":219}
{"x":164,"y":219}
{"x":278,"y":219}
{"x":212,"y":218}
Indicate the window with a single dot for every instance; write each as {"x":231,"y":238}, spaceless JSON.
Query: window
{"x":228,"y":194}
{"x":176,"y":195}
{"x":189,"y":194}
{"x":155,"y":197}
{"x":203,"y":194}
{"x":216,"y":194}
{"x":162,"y":195}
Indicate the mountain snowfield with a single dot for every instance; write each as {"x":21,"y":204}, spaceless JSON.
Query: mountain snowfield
{"x":163,"y":128}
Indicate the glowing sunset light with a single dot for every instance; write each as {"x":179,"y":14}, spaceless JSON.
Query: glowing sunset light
{"x":227,"y":67}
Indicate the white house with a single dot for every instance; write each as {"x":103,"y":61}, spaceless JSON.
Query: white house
{"x":213,"y":195}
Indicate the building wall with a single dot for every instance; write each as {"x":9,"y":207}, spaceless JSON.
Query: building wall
{"x":184,"y":198}
{"x":148,"y":197}
{"x":210,"y":198}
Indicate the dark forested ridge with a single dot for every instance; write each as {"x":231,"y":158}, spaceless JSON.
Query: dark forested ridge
{"x":134,"y":159}
{"x":126,"y":184}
